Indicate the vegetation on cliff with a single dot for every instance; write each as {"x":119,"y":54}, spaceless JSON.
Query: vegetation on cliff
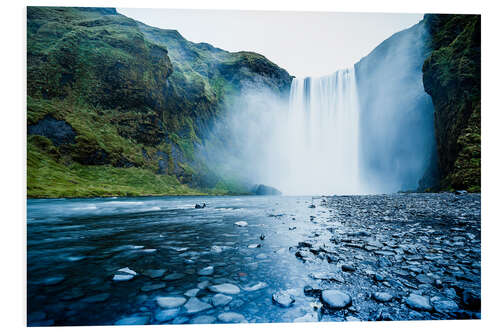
{"x":116,"y":107}
{"x":452,"y":77}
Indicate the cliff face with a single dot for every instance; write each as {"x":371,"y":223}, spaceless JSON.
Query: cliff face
{"x":116,"y":107}
{"x":396,"y":122}
{"x":452,"y":77}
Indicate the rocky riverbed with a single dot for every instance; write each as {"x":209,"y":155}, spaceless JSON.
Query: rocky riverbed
{"x":407,"y":257}
{"x":253,"y":259}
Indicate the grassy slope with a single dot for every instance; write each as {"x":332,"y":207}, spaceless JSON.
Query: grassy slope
{"x":104,"y":75}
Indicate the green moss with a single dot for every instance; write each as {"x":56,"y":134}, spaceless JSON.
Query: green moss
{"x":452,"y":76}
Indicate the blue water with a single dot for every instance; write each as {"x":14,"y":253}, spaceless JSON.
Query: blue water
{"x":76,"y":246}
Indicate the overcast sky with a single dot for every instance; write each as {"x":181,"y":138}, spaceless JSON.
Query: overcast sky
{"x":304,"y":43}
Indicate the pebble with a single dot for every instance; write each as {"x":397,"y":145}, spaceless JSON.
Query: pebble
{"x":225,"y":288}
{"x":170,"y":301}
{"x":335,"y":299}
{"x":419,"y":302}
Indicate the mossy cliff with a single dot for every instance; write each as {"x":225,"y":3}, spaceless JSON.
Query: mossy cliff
{"x":116,"y":107}
{"x":452,"y":77}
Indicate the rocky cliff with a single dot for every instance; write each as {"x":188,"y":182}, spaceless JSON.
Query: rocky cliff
{"x":452,"y":77}
{"x":116,"y":107}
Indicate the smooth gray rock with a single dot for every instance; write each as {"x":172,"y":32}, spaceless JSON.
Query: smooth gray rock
{"x":221,"y":300}
{"x":170,"y":301}
{"x":335,"y":299}
{"x":419,"y":302}
{"x":133,"y":320}
{"x":225,"y":288}
{"x":231,"y":317}
{"x":194,"y":305}
{"x":166,"y":315}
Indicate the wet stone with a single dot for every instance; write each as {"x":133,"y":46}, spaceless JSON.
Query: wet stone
{"x":209,"y":270}
{"x":221,"y":300}
{"x":255,"y":287}
{"x":348,"y":268}
{"x":419,"y":302}
{"x":166,"y":315}
{"x":382,"y":297}
{"x":283,"y":299}
{"x":192,"y":292}
{"x":170,"y":301}
{"x":445,"y":306}
{"x":335,"y":299}
{"x":194,"y":305}
{"x":225,"y":288}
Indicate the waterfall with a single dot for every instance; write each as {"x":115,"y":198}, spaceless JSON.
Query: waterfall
{"x":323,"y":131}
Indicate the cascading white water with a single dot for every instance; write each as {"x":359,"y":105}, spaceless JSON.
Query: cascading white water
{"x":322,"y":132}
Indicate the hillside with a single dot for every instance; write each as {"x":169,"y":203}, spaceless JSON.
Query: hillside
{"x":116,"y":107}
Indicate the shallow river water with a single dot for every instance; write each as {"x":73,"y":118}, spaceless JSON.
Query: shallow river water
{"x":111,"y":261}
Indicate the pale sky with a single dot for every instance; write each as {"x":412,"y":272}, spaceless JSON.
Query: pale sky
{"x":303,"y":43}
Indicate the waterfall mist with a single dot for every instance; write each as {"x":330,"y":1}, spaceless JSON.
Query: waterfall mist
{"x":366,"y":129}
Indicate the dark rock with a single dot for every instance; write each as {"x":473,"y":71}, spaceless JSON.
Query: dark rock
{"x":58,"y":131}
{"x":265,"y":190}
{"x":198,"y":206}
